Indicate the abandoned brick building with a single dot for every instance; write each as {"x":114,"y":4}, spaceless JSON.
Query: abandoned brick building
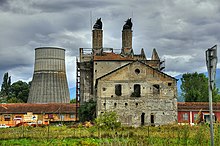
{"x":129,"y":84}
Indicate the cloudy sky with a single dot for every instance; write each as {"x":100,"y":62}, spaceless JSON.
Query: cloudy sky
{"x":180,"y":30}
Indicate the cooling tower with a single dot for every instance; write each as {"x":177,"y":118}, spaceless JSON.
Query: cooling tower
{"x":49,"y":83}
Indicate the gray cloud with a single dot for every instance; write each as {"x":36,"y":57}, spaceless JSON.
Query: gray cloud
{"x":181,"y":31}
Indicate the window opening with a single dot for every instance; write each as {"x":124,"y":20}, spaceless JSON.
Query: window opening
{"x":152,"y":119}
{"x":169,"y":84}
{"x":185,"y":116}
{"x":72,"y":116}
{"x":142,"y":119}
{"x":156,"y":89}
{"x":137,"y":91}
{"x":7,"y":117}
{"x":115,"y":104}
{"x":137,"y":71}
{"x":118,"y":89}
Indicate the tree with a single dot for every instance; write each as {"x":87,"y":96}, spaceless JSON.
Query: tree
{"x":87,"y":111}
{"x":195,"y":88}
{"x":14,"y":100}
{"x":108,"y":120}
{"x":5,"y":88}
{"x":216,"y":95}
{"x":15,"y":93}
{"x":19,"y":90}
{"x":73,"y":100}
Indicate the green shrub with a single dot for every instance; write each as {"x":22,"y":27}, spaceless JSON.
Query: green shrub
{"x":108,"y":120}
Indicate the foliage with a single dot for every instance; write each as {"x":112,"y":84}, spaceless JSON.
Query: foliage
{"x":73,"y":100}
{"x":15,"y":93}
{"x":147,"y":135}
{"x":19,"y":90}
{"x":87,"y":111}
{"x":108,"y":120}
{"x":5,"y":88}
{"x":195,"y":88}
{"x":14,"y":100}
{"x":216,"y":95}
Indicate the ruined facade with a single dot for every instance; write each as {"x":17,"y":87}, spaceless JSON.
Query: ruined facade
{"x":129,"y":84}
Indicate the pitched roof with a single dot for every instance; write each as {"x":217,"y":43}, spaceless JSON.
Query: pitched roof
{"x":37,"y":108}
{"x":186,"y":106}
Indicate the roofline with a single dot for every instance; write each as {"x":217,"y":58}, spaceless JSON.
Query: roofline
{"x":47,"y":47}
{"x":131,"y":63}
{"x":157,"y":70}
{"x":114,"y":60}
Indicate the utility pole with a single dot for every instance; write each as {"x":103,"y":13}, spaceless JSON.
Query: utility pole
{"x":211,"y":63}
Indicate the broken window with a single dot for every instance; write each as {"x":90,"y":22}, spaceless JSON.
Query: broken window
{"x":118,"y":89}
{"x":137,"y":91}
{"x":156,"y":89}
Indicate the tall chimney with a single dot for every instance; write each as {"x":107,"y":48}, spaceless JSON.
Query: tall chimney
{"x":49,"y":83}
{"x":127,"y":38}
{"x":97,"y":37}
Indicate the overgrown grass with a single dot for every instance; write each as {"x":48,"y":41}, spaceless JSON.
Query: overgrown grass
{"x":124,"y":136}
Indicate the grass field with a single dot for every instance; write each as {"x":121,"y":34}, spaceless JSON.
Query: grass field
{"x":125,"y":136}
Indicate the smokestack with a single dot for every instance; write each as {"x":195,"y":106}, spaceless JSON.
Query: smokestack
{"x":49,"y":83}
{"x":127,"y":38}
{"x":97,"y":37}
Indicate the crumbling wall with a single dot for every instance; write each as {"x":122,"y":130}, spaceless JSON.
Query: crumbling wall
{"x":86,"y":80}
{"x":156,"y":104}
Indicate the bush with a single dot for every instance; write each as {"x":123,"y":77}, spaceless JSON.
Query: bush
{"x":87,"y":111}
{"x":108,"y":120}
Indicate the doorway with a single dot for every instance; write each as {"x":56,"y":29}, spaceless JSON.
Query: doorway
{"x":142,"y":119}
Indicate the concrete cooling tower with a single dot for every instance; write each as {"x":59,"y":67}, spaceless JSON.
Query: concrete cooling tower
{"x":49,"y":83}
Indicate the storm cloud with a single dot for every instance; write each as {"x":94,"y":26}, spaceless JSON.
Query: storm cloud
{"x":181,"y":31}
